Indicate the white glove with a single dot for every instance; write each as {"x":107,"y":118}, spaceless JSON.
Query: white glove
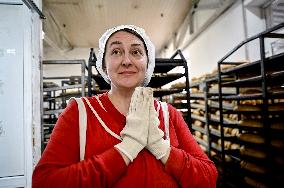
{"x":156,"y":144}
{"x":134,"y":134}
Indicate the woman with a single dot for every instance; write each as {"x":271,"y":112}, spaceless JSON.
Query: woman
{"x":125,"y":142}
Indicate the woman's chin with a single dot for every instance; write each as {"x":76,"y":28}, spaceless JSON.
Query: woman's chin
{"x":129,"y":85}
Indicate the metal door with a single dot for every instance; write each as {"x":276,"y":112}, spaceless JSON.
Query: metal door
{"x":11,"y":92}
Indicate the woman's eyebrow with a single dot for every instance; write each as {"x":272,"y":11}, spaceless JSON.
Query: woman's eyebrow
{"x":115,"y":42}
{"x":118,"y":43}
{"x":136,"y":44}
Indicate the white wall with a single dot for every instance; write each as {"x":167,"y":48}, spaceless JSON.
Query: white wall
{"x":255,"y":23}
{"x":23,"y":60}
{"x":224,"y":34}
{"x":240,"y":21}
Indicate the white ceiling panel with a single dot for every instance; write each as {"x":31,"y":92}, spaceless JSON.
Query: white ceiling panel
{"x":80,"y":23}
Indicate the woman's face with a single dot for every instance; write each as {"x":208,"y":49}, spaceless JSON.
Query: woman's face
{"x":126,"y":60}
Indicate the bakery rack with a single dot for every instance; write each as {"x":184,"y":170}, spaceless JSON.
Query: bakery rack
{"x":260,"y":158}
{"x":56,"y":91}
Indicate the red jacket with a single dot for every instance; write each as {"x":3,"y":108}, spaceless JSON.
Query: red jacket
{"x":103,"y":166}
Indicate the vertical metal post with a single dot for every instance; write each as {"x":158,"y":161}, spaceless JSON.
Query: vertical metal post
{"x":266,"y":123}
{"x":188,"y":117}
{"x":207,"y":117}
{"x":83,"y":66}
{"x":221,"y":113}
{"x":90,"y":67}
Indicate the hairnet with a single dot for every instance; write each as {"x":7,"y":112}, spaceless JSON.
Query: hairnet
{"x":149,"y":45}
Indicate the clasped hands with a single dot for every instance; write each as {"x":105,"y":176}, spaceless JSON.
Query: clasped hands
{"x":141,"y":129}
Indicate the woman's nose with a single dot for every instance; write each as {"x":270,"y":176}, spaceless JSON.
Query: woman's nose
{"x":126,"y":60}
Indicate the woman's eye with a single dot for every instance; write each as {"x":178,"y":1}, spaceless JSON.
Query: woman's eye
{"x":137,"y":52}
{"x":116,"y":52}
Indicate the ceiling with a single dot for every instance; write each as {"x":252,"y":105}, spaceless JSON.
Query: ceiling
{"x":79,"y":23}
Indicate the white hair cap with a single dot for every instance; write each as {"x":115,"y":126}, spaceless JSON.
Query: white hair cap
{"x":149,"y":45}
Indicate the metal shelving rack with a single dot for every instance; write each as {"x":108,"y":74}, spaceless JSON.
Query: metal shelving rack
{"x":57,"y":102}
{"x":266,"y":74}
{"x":202,"y":95}
{"x":96,"y":83}
{"x":202,"y":100}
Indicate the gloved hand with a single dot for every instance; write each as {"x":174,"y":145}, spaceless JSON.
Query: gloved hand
{"x":156,"y":144}
{"x":134,"y":134}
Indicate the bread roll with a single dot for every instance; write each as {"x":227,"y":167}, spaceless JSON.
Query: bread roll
{"x":198,"y":123}
{"x":198,"y":134}
{"x":235,"y":146}
{"x":227,"y":144}
{"x":235,"y":132}
{"x":204,"y":137}
{"x":194,"y":90}
{"x":195,"y":111}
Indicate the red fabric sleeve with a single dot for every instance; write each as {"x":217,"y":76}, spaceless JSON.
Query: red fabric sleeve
{"x":188,"y":164}
{"x":60,"y":165}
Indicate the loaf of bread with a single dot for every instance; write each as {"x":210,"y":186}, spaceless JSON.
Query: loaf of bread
{"x":250,"y":90}
{"x":253,"y":102}
{"x":252,"y":138}
{"x":179,"y":85}
{"x":257,"y":123}
{"x":179,"y":96}
{"x":251,"y":123}
{"x":252,"y":152}
{"x":246,"y":107}
{"x":253,"y":167}
{"x":278,"y":125}
{"x":254,"y":183}
{"x":278,"y":143}
{"x":276,"y":107}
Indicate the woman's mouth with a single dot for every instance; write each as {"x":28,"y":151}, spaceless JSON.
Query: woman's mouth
{"x":127,"y":72}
